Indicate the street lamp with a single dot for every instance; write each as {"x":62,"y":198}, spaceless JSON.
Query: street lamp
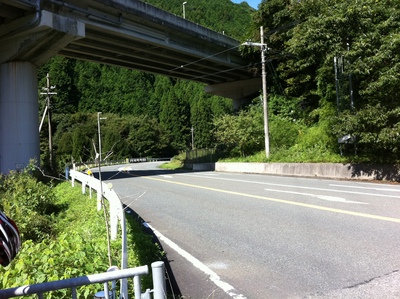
{"x":183,"y":8}
{"x":100,"y":202}
{"x":264,"y":48}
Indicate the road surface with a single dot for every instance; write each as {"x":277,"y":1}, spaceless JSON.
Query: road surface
{"x":259,"y":236}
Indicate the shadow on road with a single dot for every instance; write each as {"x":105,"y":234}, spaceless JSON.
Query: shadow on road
{"x":172,"y":285}
{"x":128,"y":174}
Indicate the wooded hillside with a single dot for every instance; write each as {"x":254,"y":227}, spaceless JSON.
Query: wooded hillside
{"x":333,"y":71}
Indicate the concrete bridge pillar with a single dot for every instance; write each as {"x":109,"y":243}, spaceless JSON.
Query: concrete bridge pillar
{"x":19,"y":122}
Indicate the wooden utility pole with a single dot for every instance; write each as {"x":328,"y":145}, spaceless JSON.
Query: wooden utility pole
{"x":48,"y":109}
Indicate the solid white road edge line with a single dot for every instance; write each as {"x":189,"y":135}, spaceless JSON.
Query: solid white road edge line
{"x":226,"y":287}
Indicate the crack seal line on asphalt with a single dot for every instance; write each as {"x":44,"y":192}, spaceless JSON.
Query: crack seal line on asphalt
{"x":226,"y":287}
{"x":294,"y":203}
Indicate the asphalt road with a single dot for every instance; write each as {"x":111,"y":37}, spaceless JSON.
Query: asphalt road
{"x":259,"y":236}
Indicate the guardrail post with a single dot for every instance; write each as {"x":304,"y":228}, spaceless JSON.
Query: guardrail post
{"x":137,"y":286}
{"x":83,"y":187}
{"x":159,"y":291}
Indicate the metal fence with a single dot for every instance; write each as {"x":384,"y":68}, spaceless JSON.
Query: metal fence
{"x":105,"y":278}
{"x":116,"y":213}
{"x":205,"y":155}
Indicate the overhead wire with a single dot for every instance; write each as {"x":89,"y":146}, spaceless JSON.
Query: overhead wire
{"x":204,"y":58}
{"x":286,"y":26}
{"x":225,"y":70}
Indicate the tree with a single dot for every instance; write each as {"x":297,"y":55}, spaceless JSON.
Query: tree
{"x":174,"y":118}
{"x":89,"y":85}
{"x":146,"y":137}
{"x":364,"y":37}
{"x":222,"y":16}
{"x":201,"y":120}
{"x":242,"y":134}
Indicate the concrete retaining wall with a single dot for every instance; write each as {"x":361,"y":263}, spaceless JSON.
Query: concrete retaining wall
{"x":321,"y":170}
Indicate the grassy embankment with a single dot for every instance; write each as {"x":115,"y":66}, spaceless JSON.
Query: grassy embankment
{"x":78,"y":246}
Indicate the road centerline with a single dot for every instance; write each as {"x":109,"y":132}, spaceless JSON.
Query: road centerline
{"x":299,"y":187}
{"x":294,"y":203}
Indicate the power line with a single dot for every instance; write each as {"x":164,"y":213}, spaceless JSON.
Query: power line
{"x":223,"y":71}
{"x":204,"y":58}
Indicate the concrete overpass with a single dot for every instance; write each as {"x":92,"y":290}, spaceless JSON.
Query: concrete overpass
{"x":125,"y":33}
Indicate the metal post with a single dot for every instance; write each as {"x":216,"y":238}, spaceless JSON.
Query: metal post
{"x":101,"y":193}
{"x":124,"y":258}
{"x":99,"y":198}
{"x":264,"y":83}
{"x":159,"y":284}
{"x":335,"y":62}
{"x":137,"y":287}
{"x":183,"y":9}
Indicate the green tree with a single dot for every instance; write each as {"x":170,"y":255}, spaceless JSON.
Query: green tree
{"x":89,"y":85}
{"x":201,"y":120}
{"x":242,"y":134}
{"x":146,"y":137}
{"x":223,"y":16}
{"x":174,"y":118}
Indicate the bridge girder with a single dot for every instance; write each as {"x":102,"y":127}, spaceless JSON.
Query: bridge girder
{"x":130,"y":34}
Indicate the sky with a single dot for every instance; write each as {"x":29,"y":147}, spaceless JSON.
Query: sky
{"x":252,"y":3}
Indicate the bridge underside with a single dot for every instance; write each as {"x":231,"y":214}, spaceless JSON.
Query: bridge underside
{"x":130,"y":34}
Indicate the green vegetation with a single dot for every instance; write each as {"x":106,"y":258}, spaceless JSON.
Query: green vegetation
{"x":222,"y":16}
{"x":305,"y":37}
{"x":147,"y":115}
{"x":68,"y":237}
{"x":177,"y":162}
{"x":310,"y":107}
{"x":332,"y":71}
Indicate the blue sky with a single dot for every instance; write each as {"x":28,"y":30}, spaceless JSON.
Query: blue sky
{"x":252,"y":3}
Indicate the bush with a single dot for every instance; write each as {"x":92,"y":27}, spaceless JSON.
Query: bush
{"x":284,"y":132}
{"x":314,"y":145}
{"x":77,"y":247}
{"x":30,"y":203}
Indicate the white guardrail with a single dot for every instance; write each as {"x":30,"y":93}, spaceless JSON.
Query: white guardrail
{"x":113,"y":273}
{"x":116,"y":213}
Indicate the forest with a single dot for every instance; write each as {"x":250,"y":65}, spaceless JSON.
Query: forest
{"x":333,"y":87}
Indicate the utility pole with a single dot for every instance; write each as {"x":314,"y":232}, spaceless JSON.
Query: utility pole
{"x":48,"y":109}
{"x":264,"y":48}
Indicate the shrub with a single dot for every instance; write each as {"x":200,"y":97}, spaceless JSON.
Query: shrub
{"x":30,"y":203}
{"x":77,"y":247}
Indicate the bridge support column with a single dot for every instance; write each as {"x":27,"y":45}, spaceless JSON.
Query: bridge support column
{"x":19,"y":121}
